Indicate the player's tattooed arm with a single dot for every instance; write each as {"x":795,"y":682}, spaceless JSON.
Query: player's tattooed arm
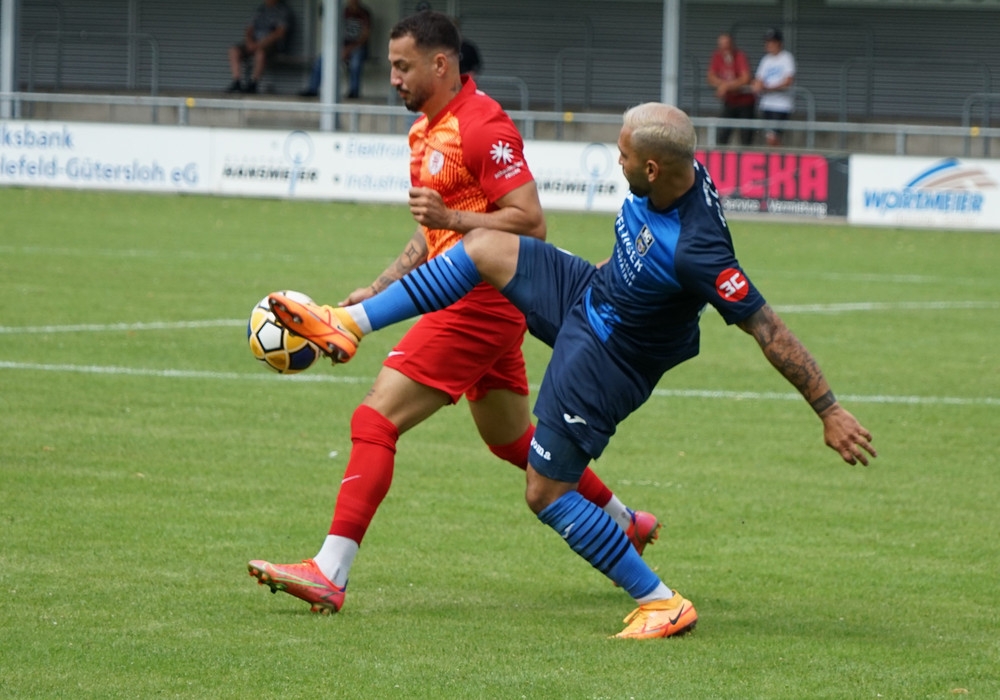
{"x":841,"y":431}
{"x":790,"y":357}
{"x":413,"y":255}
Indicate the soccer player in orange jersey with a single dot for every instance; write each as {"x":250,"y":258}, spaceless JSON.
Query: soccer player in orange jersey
{"x":467,"y":171}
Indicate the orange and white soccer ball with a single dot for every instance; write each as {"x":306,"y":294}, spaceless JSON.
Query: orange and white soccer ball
{"x":273,"y":345}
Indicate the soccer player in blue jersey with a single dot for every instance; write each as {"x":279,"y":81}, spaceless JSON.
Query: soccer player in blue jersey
{"x":614,"y":330}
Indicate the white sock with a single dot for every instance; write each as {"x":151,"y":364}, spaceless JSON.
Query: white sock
{"x":335,"y":558}
{"x":661,"y":592}
{"x":360,"y":316}
{"x":618,"y":512}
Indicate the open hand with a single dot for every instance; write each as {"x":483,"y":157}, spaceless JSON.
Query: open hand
{"x":843,"y":433}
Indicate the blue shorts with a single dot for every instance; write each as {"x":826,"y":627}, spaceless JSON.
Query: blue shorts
{"x":587,"y":391}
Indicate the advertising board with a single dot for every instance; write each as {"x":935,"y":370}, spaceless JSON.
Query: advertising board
{"x":574,"y":176}
{"x":103,"y":156}
{"x":924,"y":192}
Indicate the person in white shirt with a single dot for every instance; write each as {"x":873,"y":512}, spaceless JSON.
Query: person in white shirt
{"x":775,"y":75}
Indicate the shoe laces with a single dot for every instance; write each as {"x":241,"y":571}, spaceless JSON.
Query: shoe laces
{"x":634,"y":614}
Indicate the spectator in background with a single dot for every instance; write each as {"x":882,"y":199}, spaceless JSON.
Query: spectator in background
{"x":729,"y":74}
{"x":265,"y":34}
{"x":356,"y":30}
{"x":775,"y":75}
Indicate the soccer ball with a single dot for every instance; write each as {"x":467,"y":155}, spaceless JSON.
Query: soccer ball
{"x":274,"y":345}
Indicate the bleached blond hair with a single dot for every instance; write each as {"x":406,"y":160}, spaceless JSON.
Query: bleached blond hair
{"x":661,"y":131}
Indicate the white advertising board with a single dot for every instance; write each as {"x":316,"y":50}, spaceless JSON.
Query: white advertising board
{"x":371,"y":168}
{"x":103,"y":156}
{"x":358,"y":167}
{"x":924,"y":192}
{"x":269,"y":163}
{"x":577,"y":176}
{"x":310,"y":165}
{"x":261,"y":163}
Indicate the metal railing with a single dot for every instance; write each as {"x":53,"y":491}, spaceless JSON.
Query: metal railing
{"x":986,"y":98}
{"x":502,"y":80}
{"x":714,"y":125}
{"x":796,"y":90}
{"x":506,"y":81}
{"x":349,"y":118}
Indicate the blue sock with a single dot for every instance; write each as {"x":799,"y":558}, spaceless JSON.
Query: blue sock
{"x":438,"y":283}
{"x":594,"y":535}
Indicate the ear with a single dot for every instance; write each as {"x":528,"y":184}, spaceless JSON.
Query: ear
{"x":652,"y":170}
{"x":440,"y":64}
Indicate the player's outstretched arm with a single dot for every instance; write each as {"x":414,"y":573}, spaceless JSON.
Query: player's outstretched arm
{"x":414,"y":254}
{"x":841,"y":430}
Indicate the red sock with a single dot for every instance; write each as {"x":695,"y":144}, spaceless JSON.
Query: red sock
{"x":516,"y":452}
{"x":368,"y":475}
{"x":593,"y":489}
{"x":590,"y":487}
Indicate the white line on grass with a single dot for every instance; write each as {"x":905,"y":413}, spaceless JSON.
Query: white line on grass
{"x":106,"y":327}
{"x":236,"y":323}
{"x":665,"y":393}
{"x":850,"y":398}
{"x":885,"y":306}
{"x":184,"y":373}
{"x":143,"y":253}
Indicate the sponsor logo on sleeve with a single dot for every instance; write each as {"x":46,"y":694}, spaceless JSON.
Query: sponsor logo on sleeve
{"x":732,"y":285}
{"x":502,"y":153}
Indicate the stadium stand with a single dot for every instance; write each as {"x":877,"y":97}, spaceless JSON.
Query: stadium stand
{"x":859,"y":62}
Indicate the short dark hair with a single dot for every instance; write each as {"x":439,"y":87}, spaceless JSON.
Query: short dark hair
{"x":430,"y":30}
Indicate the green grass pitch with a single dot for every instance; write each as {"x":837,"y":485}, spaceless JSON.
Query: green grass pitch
{"x":145,"y":457}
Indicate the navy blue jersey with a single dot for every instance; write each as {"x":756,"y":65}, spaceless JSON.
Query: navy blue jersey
{"x":617,"y":329}
{"x":665,"y":267}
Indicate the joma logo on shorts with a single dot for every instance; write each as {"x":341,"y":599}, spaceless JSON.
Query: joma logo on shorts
{"x":541,"y":451}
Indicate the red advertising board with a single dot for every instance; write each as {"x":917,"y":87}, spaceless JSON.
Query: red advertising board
{"x":767,"y":182}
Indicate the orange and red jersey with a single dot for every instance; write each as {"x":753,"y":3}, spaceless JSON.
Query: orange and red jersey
{"x":471,"y":153}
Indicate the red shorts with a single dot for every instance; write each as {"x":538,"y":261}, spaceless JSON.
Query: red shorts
{"x":472,"y":347}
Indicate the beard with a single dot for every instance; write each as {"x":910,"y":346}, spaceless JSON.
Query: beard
{"x":639,"y":189}
{"x":413,"y":100}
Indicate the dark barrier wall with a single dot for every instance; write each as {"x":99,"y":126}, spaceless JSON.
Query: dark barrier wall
{"x":764,"y":182}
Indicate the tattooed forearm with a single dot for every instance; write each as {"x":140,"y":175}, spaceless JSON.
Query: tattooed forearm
{"x":412,"y":256}
{"x":790,"y":357}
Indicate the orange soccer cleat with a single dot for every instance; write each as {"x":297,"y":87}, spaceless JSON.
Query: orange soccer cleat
{"x":661,"y":618}
{"x":303,"y":581}
{"x":331,"y":328}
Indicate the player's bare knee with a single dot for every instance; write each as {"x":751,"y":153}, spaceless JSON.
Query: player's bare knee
{"x":477,"y":244}
{"x":541,"y":491}
{"x":494,"y":254}
{"x":536,"y":499}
